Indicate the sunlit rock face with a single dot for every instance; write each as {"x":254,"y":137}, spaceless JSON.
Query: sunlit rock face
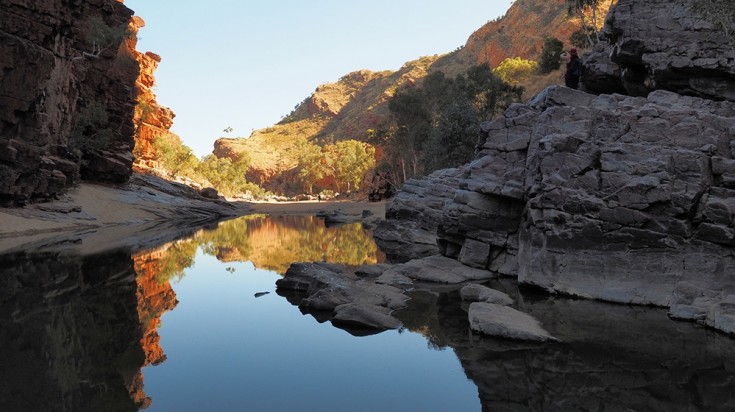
{"x":68,"y":76}
{"x":70,"y":333}
{"x":662,"y":44}
{"x":151,"y":119}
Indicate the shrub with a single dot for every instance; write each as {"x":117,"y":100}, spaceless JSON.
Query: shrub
{"x":550,"y":58}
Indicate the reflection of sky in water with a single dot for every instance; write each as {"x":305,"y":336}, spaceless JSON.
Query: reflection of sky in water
{"x":228,"y":350}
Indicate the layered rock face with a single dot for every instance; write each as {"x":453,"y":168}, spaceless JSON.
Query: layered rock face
{"x":67,"y":82}
{"x":624,"y":199}
{"x":662,"y":44}
{"x":151,"y":119}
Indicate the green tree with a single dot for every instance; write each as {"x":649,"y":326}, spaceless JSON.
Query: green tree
{"x":581,"y":8}
{"x":550,"y":58}
{"x":347,"y":162}
{"x":413,"y":122}
{"x":312,"y":165}
{"x":225,"y":175}
{"x":515,"y":70}
{"x":452,"y":142}
{"x":176,"y":158}
{"x":436,"y":125}
{"x":91,"y":130}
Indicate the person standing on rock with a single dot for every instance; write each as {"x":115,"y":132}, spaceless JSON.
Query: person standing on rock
{"x":574,"y":70}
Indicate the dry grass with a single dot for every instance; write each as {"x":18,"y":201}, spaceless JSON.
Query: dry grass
{"x":536,"y":83}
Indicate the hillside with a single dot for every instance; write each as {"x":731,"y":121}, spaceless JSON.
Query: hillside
{"x":356,"y":104}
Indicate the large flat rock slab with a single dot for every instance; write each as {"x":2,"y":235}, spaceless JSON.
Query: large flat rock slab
{"x":505,"y":322}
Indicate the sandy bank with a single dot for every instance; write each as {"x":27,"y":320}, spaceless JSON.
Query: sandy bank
{"x":146,"y":210}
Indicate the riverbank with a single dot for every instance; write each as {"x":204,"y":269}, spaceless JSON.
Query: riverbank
{"x":137,"y":214}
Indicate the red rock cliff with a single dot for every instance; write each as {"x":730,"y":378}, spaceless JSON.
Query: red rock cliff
{"x":151,"y":119}
{"x":67,"y":77}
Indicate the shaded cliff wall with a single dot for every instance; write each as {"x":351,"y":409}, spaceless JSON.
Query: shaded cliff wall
{"x":662,"y":45}
{"x":67,"y":76}
{"x":620,"y":198}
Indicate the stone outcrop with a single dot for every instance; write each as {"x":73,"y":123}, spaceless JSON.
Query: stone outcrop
{"x":611,"y":197}
{"x":625,"y":199}
{"x":504,"y":322}
{"x":662,"y":45}
{"x":363,"y":300}
{"x":412,"y":216}
{"x":67,"y":80}
{"x":479,"y":293}
{"x":358,"y":304}
{"x":151,"y":119}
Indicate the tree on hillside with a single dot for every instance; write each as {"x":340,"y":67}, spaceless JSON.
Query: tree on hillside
{"x":176,"y":157}
{"x":312,"y":165}
{"x":225,"y":175}
{"x":413,"y":123}
{"x":515,"y":70}
{"x":581,"y":8}
{"x":436,"y":125}
{"x":550,"y":58}
{"x":348,"y":161}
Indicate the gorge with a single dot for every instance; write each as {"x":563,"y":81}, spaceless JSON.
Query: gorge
{"x":555,"y":267}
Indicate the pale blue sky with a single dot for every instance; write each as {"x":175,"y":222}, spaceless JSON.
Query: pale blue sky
{"x":246,"y":63}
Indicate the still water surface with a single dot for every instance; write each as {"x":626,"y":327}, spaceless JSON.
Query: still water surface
{"x":179,"y":328}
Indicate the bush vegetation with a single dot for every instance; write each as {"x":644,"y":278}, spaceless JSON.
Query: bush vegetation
{"x":435,"y":125}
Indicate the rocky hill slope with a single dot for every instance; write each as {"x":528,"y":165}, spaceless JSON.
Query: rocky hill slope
{"x":66,"y":107}
{"x":619,"y":198}
{"x":356,"y":104}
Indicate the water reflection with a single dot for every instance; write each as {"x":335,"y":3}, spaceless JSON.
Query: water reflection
{"x":273,"y":243}
{"x":69,"y":333}
{"x":612,"y":357}
{"x":76,"y":331}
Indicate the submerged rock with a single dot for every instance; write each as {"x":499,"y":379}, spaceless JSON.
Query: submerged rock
{"x":436,"y":269}
{"x":363,"y":315}
{"x":505,"y":322}
{"x":479,"y":293}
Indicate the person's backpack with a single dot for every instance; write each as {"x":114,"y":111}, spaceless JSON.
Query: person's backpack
{"x":577,"y":68}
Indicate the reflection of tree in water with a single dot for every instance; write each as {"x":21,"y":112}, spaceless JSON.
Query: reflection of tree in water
{"x":172,"y":259}
{"x":273,"y":243}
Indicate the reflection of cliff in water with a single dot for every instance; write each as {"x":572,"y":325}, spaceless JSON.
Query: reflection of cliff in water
{"x":69,"y":333}
{"x":612,"y":357}
{"x":155,"y":297}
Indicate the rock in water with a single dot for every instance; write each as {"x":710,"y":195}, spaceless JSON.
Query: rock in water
{"x":479,"y":293}
{"x":366,"y":316}
{"x":505,"y":322}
